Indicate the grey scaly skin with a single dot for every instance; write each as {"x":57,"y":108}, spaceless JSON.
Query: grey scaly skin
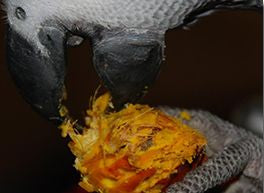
{"x":128,"y":44}
{"x":232,"y":151}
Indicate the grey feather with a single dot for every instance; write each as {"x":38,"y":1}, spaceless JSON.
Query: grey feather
{"x":85,"y":14}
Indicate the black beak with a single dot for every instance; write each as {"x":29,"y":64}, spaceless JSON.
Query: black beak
{"x":39,"y":73}
{"x":128,"y":62}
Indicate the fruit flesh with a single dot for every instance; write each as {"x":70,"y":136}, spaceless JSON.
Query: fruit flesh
{"x":138,"y":149}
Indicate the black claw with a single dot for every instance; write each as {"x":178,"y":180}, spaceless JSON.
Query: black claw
{"x":39,"y":74}
{"x":128,"y":63}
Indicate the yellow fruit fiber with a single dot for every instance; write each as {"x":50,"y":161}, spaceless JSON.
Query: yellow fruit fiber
{"x":133,"y":150}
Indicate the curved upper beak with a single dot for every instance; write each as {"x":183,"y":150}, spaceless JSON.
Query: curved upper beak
{"x":39,"y":73}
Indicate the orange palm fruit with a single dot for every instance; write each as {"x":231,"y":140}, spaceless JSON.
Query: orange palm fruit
{"x":137,"y":149}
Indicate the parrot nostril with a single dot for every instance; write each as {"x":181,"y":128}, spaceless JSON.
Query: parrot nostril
{"x":20,"y":13}
{"x":49,"y":38}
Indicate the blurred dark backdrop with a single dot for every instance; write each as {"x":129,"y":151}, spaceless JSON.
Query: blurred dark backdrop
{"x":213,"y":66}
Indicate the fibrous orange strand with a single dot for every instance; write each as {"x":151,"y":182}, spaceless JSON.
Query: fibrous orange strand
{"x":138,"y":149}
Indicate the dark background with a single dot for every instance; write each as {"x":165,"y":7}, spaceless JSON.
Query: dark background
{"x":215,"y":65}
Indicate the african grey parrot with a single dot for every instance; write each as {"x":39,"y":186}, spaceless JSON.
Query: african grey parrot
{"x":128,"y":45}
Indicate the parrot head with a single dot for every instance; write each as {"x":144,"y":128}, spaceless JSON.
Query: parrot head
{"x":127,"y":42}
{"x":126,"y":59}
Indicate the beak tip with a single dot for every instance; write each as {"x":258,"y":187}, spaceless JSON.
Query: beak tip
{"x":126,"y":96}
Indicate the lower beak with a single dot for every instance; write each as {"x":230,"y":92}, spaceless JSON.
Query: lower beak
{"x":128,"y":63}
